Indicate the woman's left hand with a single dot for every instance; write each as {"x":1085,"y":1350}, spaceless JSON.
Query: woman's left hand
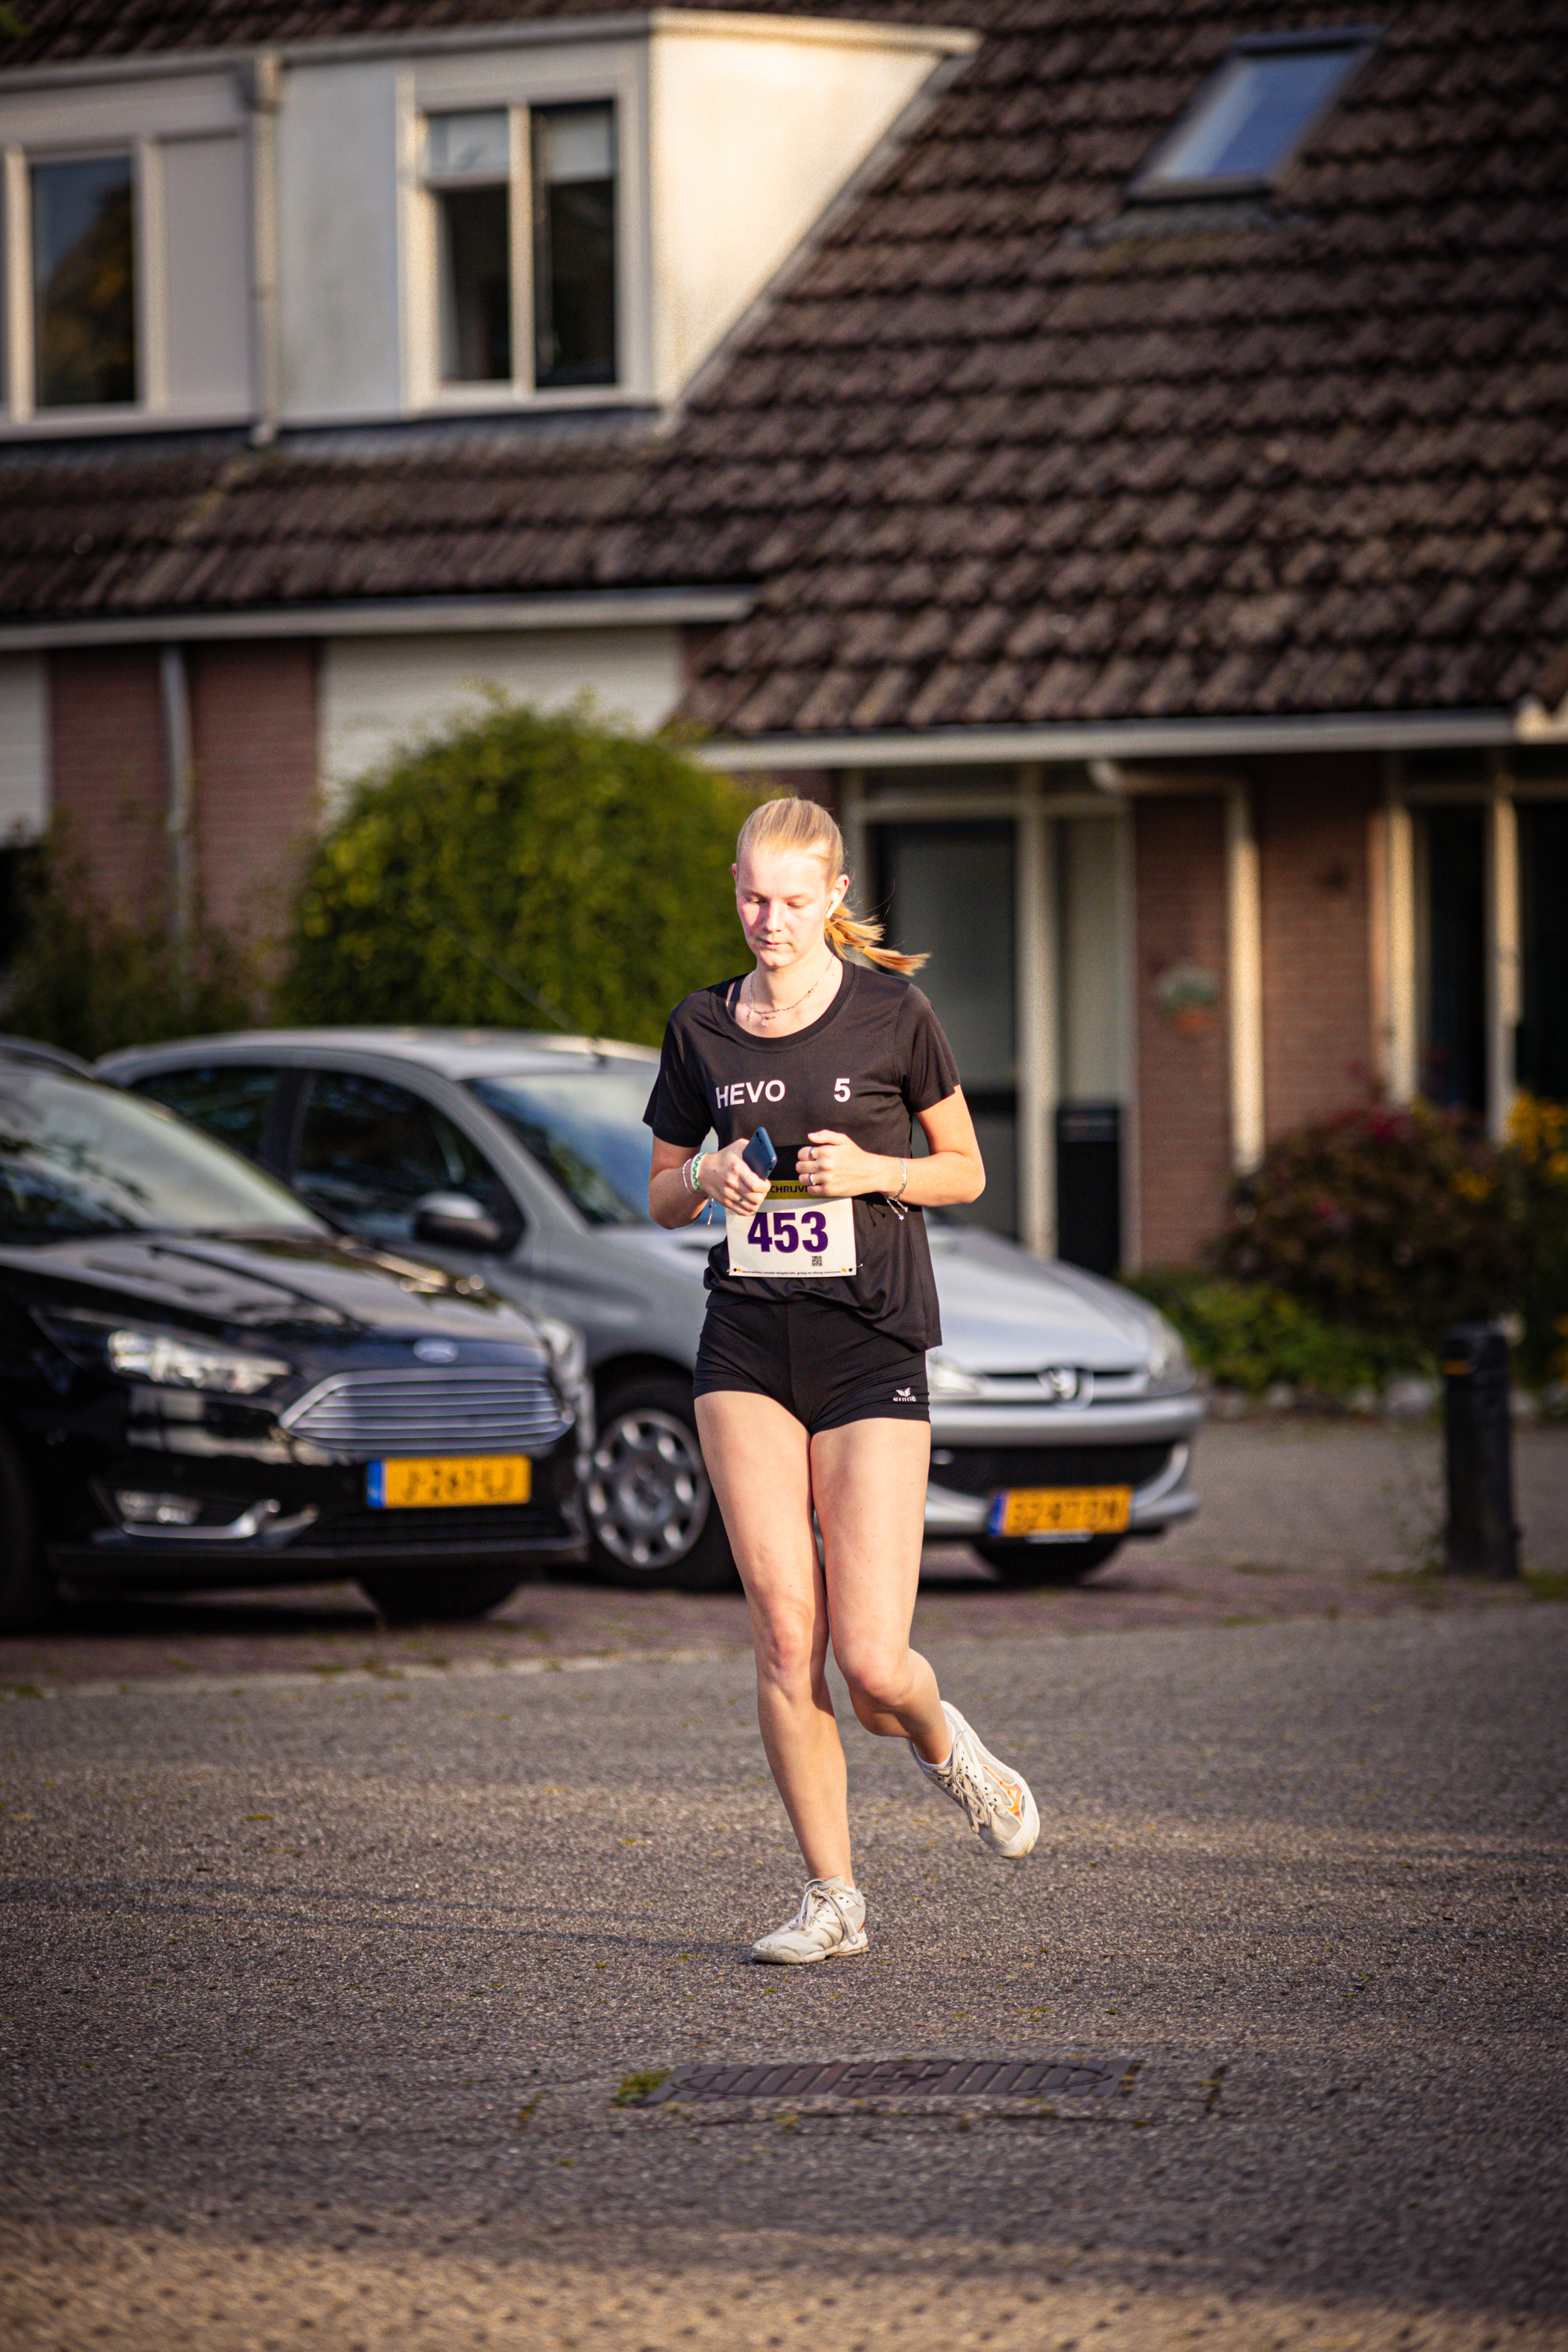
{"x":830,"y":1165}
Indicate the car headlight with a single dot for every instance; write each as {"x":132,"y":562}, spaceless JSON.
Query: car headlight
{"x":567,"y":1353}
{"x":944,"y":1378}
{"x":173,"y":1363}
{"x":1170,"y":1365}
{"x":166,"y":1360}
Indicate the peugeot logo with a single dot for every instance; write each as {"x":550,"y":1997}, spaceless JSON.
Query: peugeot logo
{"x":435,"y":1352}
{"x":1061,"y":1381}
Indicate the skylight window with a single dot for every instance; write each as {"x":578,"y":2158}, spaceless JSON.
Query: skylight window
{"x":1255,"y":113}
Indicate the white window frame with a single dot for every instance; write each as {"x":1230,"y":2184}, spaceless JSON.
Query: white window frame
{"x":488,"y":391}
{"x":21,"y":355}
{"x":613,"y":73}
{"x":54,"y":125}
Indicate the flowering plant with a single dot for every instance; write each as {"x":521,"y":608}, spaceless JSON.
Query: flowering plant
{"x":1399,"y":1222}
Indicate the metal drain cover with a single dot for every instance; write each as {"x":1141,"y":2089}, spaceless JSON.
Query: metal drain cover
{"x":899,"y":2078}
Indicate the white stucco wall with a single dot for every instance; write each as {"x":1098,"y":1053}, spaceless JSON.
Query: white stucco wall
{"x":339,"y":296}
{"x":379,"y":693}
{"x":23,"y":745}
{"x":754,"y":124}
{"x":205,"y":211}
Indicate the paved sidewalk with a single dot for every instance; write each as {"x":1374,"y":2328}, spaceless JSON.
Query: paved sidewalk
{"x":318,"y":1994}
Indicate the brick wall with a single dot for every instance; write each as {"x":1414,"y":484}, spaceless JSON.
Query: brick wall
{"x":254,"y":731}
{"x":1183,"y":1108}
{"x":107,"y":775}
{"x":1312,"y":838}
{"x":254,"y":740}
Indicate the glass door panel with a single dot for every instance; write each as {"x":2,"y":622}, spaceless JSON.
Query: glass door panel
{"x":951,"y":890}
{"x":1451,"y":871}
{"x":1542,"y":1049}
{"x":1089,"y":965}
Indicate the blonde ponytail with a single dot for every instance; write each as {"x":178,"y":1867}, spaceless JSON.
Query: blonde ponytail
{"x":789,"y":823}
{"x":847,"y":930}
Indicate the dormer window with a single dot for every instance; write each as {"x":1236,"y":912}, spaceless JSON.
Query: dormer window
{"x":523,"y":204}
{"x":555,"y":216}
{"x":1254,"y":114}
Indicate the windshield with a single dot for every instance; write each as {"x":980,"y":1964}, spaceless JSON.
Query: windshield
{"x":78,"y":1158}
{"x":586,"y":1127}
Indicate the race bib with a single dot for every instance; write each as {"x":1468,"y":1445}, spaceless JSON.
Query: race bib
{"x":793,"y":1236}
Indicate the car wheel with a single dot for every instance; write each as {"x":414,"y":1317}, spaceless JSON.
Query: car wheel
{"x":1045,"y":1563}
{"x":27,"y":1588}
{"x":652,"y":1520}
{"x":439,"y":1596}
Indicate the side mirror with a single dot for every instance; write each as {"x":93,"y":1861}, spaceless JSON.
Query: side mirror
{"x":452,"y":1218}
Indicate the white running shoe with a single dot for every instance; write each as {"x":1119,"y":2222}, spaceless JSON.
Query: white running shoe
{"x":996,"y":1798}
{"x":829,"y":1925}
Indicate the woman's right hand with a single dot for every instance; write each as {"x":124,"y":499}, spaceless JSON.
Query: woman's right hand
{"x":725,"y":1178}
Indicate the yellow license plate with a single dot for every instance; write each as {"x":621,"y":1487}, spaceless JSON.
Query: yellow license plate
{"x":448,"y":1479}
{"x":1062,"y":1511}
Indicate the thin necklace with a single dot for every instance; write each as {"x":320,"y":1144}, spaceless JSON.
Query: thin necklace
{"x":777,"y":1012}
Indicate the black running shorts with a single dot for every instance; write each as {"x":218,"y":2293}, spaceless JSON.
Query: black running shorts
{"x":814,"y":1355}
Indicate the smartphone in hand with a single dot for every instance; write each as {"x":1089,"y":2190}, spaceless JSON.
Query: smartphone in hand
{"x":759,"y":1154}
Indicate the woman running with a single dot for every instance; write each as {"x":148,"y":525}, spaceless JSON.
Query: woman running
{"x":811,"y":1374}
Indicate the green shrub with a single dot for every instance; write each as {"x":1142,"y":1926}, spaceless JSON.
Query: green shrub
{"x":1248,"y":1336}
{"x":520,"y":863}
{"x":90,"y":978}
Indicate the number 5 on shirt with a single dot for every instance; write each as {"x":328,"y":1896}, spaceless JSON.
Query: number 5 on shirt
{"x":793,"y":1237}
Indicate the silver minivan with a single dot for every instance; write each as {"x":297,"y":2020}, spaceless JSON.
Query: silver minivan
{"x":1063,"y":1407}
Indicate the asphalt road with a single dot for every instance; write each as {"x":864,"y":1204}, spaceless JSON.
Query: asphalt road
{"x":319,"y":1988}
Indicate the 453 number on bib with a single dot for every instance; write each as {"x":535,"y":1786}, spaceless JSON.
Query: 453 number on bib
{"x":793,"y":1237}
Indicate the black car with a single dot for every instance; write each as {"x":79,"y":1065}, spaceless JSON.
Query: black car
{"x":201,"y":1384}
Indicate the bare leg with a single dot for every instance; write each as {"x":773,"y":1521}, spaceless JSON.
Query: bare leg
{"x":758,"y":1459}
{"x":868,"y":1479}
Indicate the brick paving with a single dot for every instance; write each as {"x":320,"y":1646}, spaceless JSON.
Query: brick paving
{"x":1299,"y":1518}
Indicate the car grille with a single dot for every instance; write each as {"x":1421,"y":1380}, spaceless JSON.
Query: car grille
{"x":985,"y":1469}
{"x":433,"y":1531}
{"x":363,"y":1414}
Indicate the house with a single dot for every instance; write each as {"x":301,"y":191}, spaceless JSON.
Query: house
{"x":1118,"y":456}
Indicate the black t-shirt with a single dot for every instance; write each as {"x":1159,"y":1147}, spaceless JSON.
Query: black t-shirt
{"x":872,"y":1060}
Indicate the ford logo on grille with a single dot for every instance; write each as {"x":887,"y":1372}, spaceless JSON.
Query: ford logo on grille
{"x":435,"y":1352}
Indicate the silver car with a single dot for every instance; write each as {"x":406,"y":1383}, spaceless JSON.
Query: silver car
{"x":1063,"y":1408}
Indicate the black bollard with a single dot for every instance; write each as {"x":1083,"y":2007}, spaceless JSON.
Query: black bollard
{"x":1480,"y":1538}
